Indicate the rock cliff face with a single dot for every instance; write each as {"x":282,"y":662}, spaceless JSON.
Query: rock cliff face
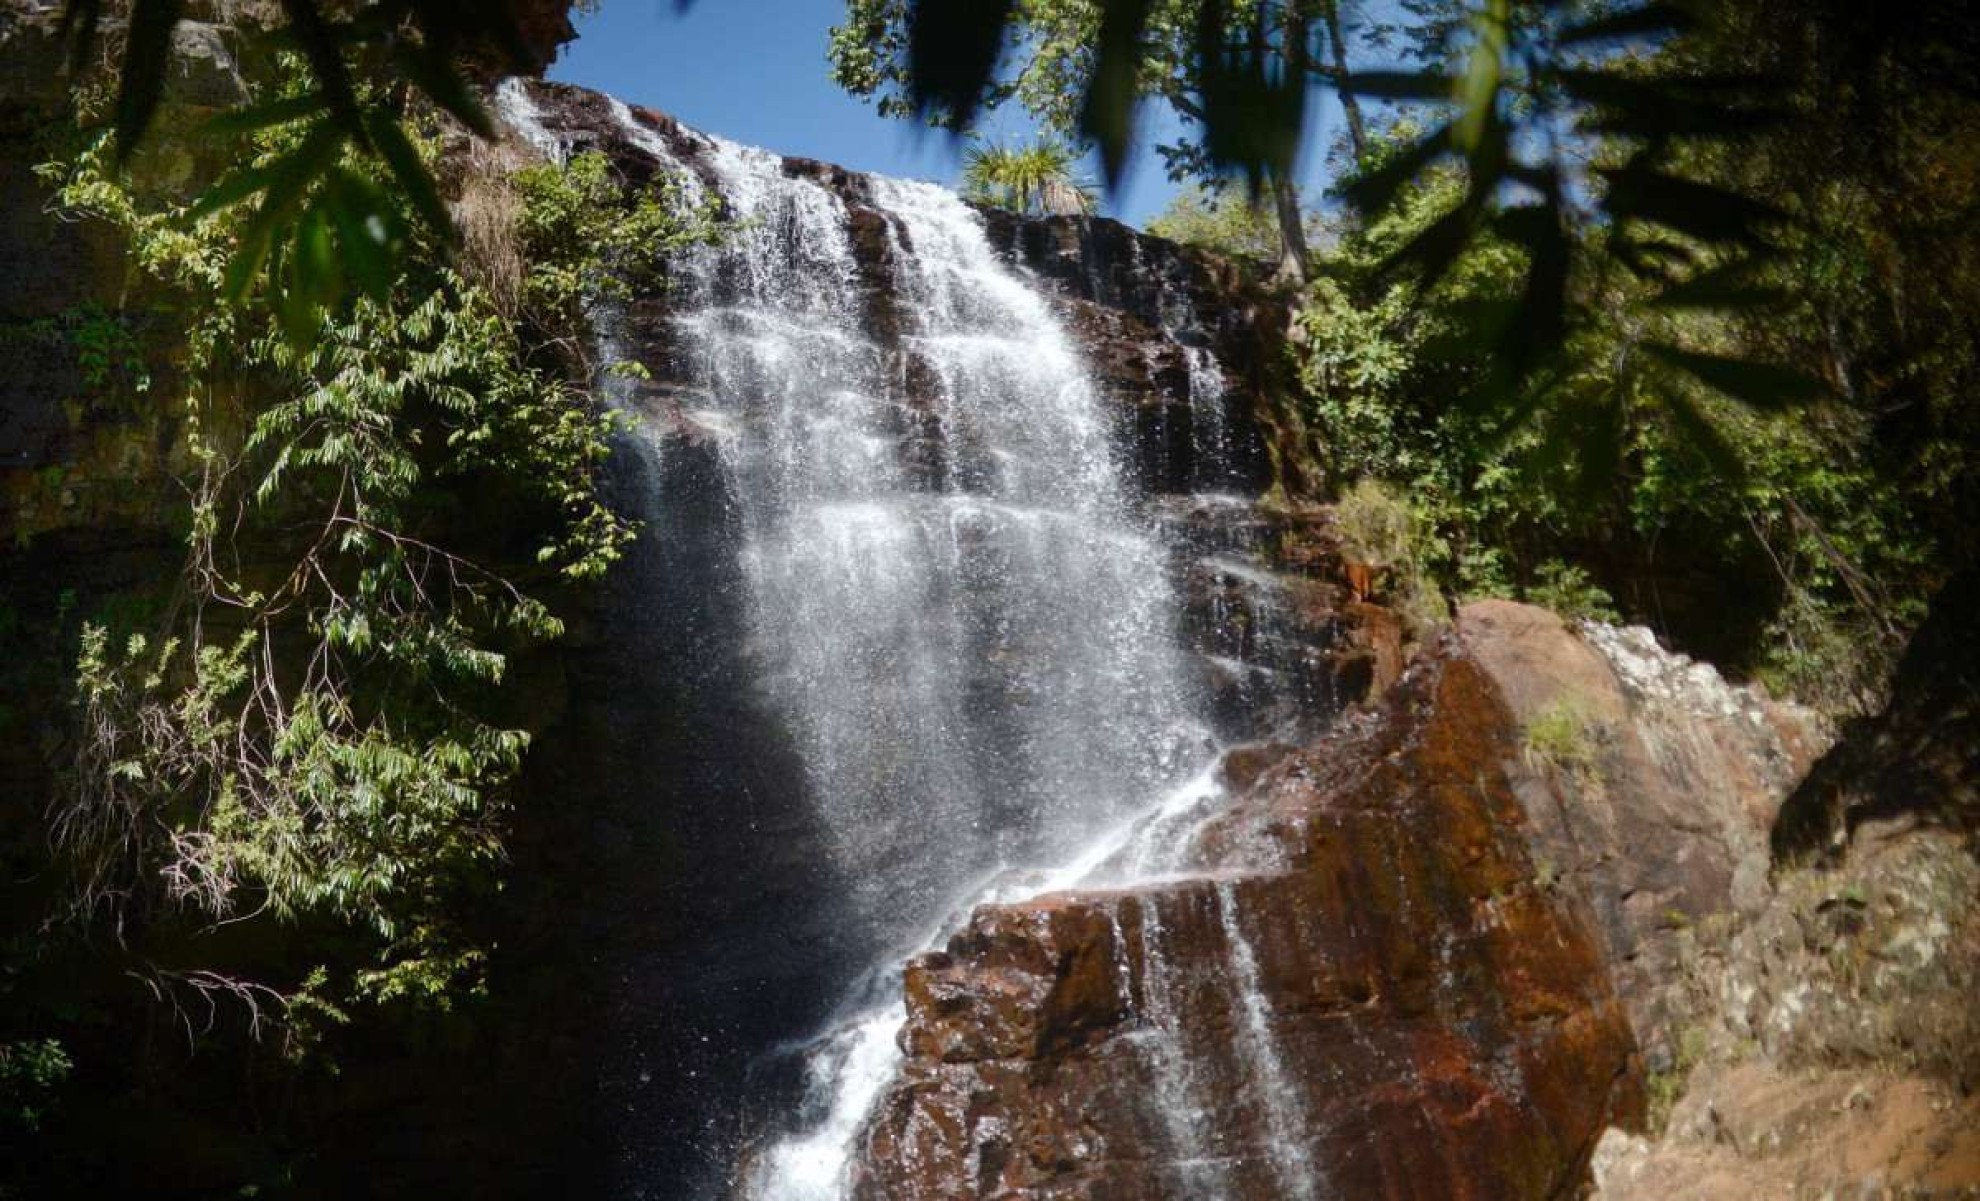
{"x":725,"y":939}
{"x":1389,"y":971}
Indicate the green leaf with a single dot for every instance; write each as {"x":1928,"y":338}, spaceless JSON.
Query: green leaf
{"x":1704,"y":436}
{"x":1699,"y":210}
{"x":287,"y":181}
{"x":1253,"y":104}
{"x":434,"y":72}
{"x":1670,"y":106}
{"x":367,"y":230}
{"x":953,"y":47}
{"x":1372,"y":190}
{"x":1541,"y":324}
{"x":1725,"y":287}
{"x":256,"y":117}
{"x":1401,"y":85}
{"x":1437,"y":246}
{"x":1478,"y":90}
{"x":318,"y":40}
{"x":1107,"y":115}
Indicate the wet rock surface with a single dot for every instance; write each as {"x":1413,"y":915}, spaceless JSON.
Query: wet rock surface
{"x":1360,"y":987}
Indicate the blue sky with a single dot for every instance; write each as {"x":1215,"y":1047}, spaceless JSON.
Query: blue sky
{"x":755,"y":71}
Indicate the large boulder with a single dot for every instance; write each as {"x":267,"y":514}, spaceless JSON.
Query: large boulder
{"x":1362,"y":987}
{"x":1416,"y":958}
{"x":1649,"y":784}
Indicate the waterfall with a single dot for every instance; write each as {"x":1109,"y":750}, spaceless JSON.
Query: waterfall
{"x":974,"y":656}
{"x":955,"y":610}
{"x":1181,"y":1102}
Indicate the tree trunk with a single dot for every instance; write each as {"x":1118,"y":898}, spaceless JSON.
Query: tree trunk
{"x":1292,"y":230}
{"x":1330,"y":12}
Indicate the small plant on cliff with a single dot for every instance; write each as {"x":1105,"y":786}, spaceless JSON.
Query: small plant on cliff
{"x":1037,"y":178}
{"x":30,"y":1073}
{"x":1563,"y":737}
{"x":589,"y":240}
{"x":1384,"y":532}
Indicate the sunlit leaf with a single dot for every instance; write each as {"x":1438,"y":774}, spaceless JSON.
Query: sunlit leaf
{"x":1478,"y":89}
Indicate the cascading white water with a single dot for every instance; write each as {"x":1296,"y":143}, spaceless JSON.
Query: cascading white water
{"x":1213,"y":453}
{"x":965,"y":629}
{"x":1180,"y":1099}
{"x":977,"y":668}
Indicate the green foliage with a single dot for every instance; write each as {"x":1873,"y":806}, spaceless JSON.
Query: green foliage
{"x":30,"y":1073}
{"x":107,"y":352}
{"x":1614,"y":447}
{"x":585,"y":240}
{"x":1569,"y":590}
{"x":335,"y":201}
{"x":1037,"y":178}
{"x":1382,"y":530}
{"x":305,"y":736}
{"x":1219,"y":219}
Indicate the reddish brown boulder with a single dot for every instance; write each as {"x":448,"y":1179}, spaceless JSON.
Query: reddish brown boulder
{"x":1363,"y":990}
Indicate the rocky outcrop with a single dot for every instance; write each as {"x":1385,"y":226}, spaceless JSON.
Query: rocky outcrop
{"x":1833,"y":1047}
{"x":78,"y":451}
{"x":1363,"y":987}
{"x":1443,"y":929}
{"x":1836,"y":1051}
{"x":1650,"y":785}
